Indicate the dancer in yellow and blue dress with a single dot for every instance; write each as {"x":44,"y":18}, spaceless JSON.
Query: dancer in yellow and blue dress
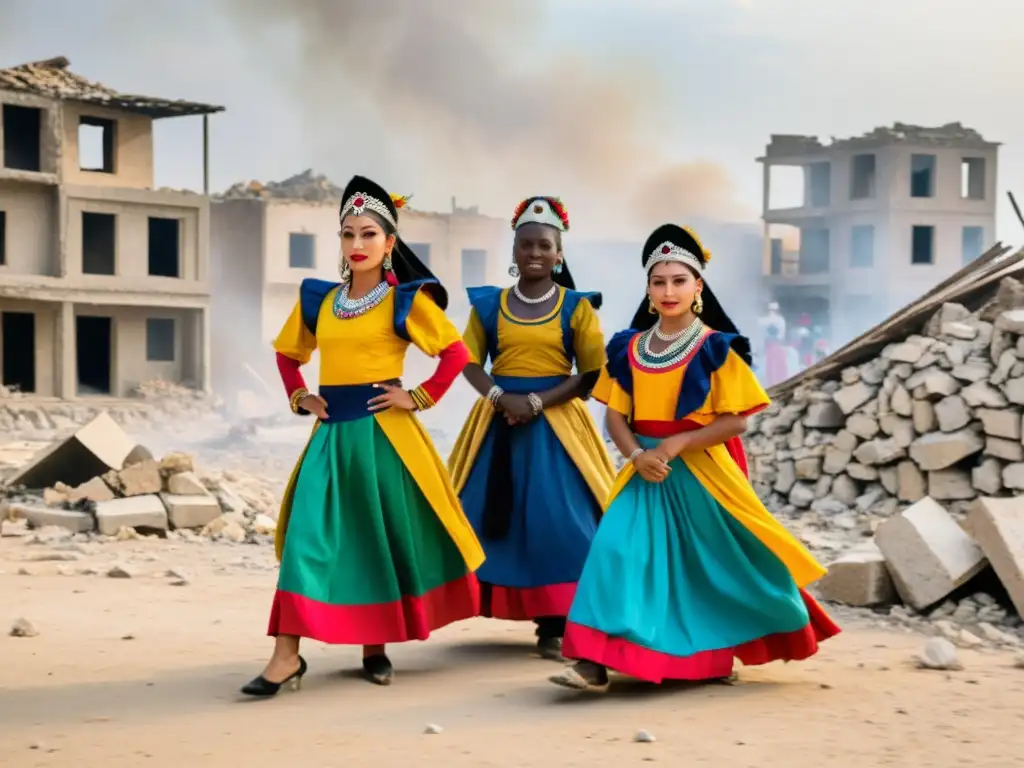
{"x":688,"y":570}
{"x":531,"y":470}
{"x":373,"y":544}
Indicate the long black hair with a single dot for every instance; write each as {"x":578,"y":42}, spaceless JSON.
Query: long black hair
{"x":405,"y":264}
{"x":713,"y":314}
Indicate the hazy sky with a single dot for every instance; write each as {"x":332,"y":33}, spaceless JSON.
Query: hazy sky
{"x":711,"y":79}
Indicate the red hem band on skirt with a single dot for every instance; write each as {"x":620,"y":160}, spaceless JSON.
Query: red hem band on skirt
{"x":526,"y":604}
{"x":654,"y":666}
{"x":411,"y":618}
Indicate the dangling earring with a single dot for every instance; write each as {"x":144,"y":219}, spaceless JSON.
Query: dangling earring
{"x":557,"y":269}
{"x":650,"y":307}
{"x":698,"y":305}
{"x":513,"y":270}
{"x":387,"y":262}
{"x":345,"y":271}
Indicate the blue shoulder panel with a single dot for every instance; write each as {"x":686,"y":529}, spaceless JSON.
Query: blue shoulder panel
{"x":405,"y":293}
{"x":709,"y":358}
{"x":617,"y":366}
{"x":312,"y":293}
{"x":486,"y":301}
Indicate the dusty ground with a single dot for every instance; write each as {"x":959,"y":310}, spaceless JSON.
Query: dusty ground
{"x":140,"y":672}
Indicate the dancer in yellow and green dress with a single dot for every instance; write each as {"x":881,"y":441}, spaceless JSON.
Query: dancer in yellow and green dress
{"x":530,"y":467}
{"x":373,"y":544}
{"x":688,"y":570}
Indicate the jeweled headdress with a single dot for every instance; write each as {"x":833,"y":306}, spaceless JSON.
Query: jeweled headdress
{"x":680,"y":245}
{"x":363,"y":195}
{"x":541,"y":210}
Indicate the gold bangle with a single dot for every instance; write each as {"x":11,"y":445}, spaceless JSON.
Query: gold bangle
{"x":422,"y":398}
{"x":297,"y":397}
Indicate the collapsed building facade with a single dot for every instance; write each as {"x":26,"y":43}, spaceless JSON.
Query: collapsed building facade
{"x":883,"y":217}
{"x":266,"y":238}
{"x":104,"y":279}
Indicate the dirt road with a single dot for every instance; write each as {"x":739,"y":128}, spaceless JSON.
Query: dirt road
{"x":138,"y":672}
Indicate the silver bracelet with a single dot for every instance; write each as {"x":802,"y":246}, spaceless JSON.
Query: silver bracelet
{"x":494,"y":393}
{"x":634,"y":454}
{"x":535,"y":402}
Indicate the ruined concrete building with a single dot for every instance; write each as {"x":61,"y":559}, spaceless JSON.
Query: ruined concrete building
{"x":103,"y":279}
{"x":266,"y":238}
{"x":883,"y":218}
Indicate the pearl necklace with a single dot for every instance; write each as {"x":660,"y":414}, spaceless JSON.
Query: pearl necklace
{"x":683,"y":344}
{"x":668,"y":336}
{"x":538,"y":300}
{"x":346,"y":308}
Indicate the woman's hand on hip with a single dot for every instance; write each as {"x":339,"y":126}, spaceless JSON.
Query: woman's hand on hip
{"x":315,"y":405}
{"x":393,"y":397}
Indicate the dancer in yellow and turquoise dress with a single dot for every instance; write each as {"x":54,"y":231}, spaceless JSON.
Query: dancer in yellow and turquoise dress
{"x":373,"y":544}
{"x":688,"y":570}
{"x":530,"y":467}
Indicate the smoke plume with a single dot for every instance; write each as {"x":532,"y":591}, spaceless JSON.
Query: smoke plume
{"x":491,"y":119}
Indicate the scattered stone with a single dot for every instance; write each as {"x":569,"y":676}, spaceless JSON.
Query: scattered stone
{"x":644,"y":737}
{"x":433,"y":729}
{"x":23,"y":628}
{"x":939,"y":653}
{"x":141,"y":479}
{"x":121,"y":572}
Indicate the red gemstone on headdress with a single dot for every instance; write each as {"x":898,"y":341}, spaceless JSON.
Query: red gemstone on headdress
{"x":358,"y":202}
{"x":666,"y":249}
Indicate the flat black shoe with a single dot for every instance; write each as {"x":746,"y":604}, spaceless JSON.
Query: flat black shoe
{"x":261,"y":687}
{"x":378,"y":669}
{"x":550,"y":648}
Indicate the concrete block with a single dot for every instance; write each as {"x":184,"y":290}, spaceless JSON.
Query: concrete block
{"x":146,"y":512}
{"x":141,"y":479}
{"x":998,"y":527}
{"x":195,"y":511}
{"x":39,"y":516}
{"x":94,"y":490}
{"x":929,"y":555}
{"x":185,"y":484}
{"x":98,"y":447}
{"x":860,"y":577}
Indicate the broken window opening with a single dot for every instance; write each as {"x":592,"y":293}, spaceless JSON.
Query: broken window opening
{"x":814,"y":251}
{"x":922,"y":245}
{"x":301,"y":251}
{"x":18,"y":339}
{"x":164,"y":247}
{"x":474,"y":267}
{"x":972,"y":243}
{"x":821,"y":184}
{"x":422,"y":251}
{"x":160,"y":340}
{"x":94,"y":340}
{"x":787,"y":187}
{"x":23,"y":138}
{"x":922,"y":175}
{"x":862,"y":177}
{"x":99,"y":243}
{"x":972,"y":178}
{"x":97,"y":138}
{"x":862,"y":246}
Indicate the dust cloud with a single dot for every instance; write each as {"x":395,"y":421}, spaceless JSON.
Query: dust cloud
{"x":493,"y":118}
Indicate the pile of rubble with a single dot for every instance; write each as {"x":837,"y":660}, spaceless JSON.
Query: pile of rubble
{"x":152,"y":405}
{"x":918,"y":445}
{"x":115,"y":488}
{"x":301,"y":186}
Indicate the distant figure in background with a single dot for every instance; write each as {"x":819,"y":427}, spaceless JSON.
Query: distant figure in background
{"x":821,"y":345}
{"x":373,"y":545}
{"x":776,"y":367}
{"x":529,"y":466}
{"x":804,"y":342}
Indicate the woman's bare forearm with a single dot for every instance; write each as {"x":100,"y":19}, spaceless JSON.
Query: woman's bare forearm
{"x":620,"y":432}
{"x":478,"y":378}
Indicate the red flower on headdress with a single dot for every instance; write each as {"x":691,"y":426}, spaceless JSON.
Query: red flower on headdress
{"x":519,"y":212}
{"x":558,"y":207}
{"x":399,"y":200}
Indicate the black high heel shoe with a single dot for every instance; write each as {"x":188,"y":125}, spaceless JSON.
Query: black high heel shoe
{"x":378,"y":669}
{"x":260,"y":686}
